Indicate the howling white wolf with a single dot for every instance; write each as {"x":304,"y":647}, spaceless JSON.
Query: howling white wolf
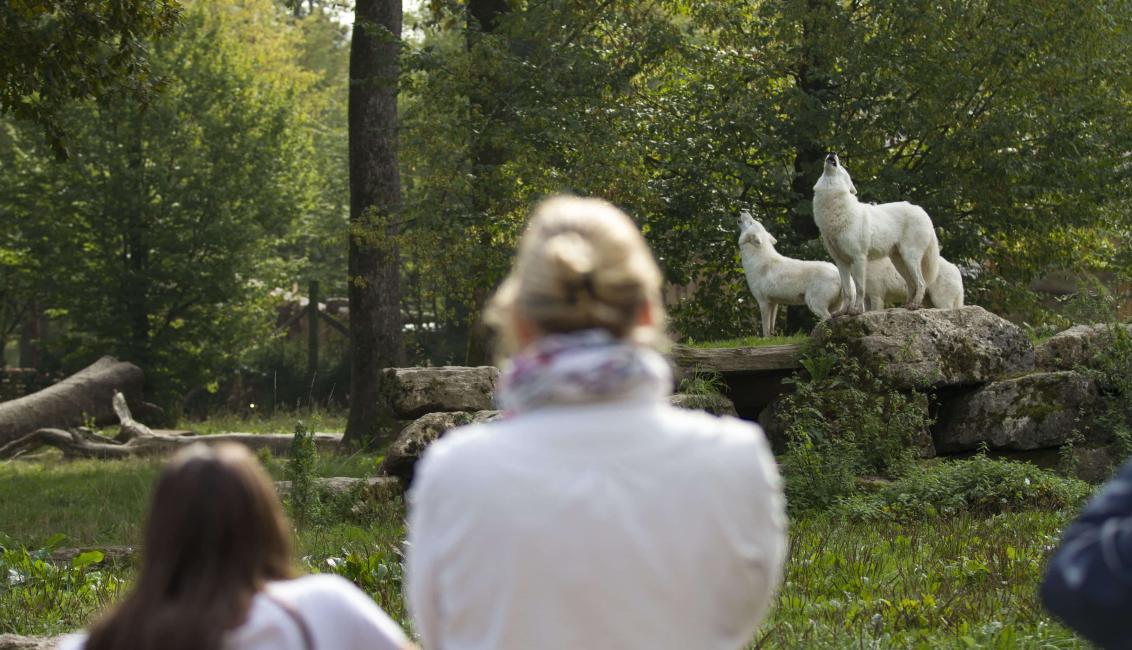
{"x":855,"y":232}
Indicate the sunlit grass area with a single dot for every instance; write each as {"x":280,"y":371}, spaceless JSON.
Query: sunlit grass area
{"x":749,"y":342}
{"x":280,"y":421}
{"x":956,"y":581}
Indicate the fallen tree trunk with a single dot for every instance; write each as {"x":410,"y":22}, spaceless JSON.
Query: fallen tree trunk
{"x":84,"y":444}
{"x":135,"y":440}
{"x":83,"y":396}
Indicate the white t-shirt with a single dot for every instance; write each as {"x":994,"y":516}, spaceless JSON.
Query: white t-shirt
{"x":339,"y":615}
{"x":615,"y":525}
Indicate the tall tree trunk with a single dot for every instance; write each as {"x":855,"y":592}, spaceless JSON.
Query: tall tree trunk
{"x":135,"y":285}
{"x":31,"y":333}
{"x":482,"y":18}
{"x":375,"y":199}
{"x":813,"y":79}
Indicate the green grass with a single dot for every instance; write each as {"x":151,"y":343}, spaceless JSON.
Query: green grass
{"x":955,"y":581}
{"x":750,"y":342}
{"x":90,"y":502}
{"x":278,"y":422}
{"x":951,"y":582}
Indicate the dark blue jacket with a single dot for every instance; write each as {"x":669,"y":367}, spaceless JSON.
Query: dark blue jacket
{"x":1088,"y":583}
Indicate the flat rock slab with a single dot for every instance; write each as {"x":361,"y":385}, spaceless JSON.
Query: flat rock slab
{"x":1030,"y":412}
{"x":715,"y":404}
{"x":402,"y":456}
{"x":414,"y":392}
{"x":726,"y":360}
{"x":1076,"y":346}
{"x":932,"y":348}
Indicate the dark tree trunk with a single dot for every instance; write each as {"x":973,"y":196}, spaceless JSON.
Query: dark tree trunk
{"x":485,"y":14}
{"x":813,"y":79}
{"x":135,"y":251}
{"x":31,"y":333}
{"x":483,"y":17}
{"x":375,"y":198}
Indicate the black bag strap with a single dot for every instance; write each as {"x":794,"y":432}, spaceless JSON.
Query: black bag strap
{"x":293,"y":613}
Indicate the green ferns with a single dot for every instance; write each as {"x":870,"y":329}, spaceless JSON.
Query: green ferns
{"x":843,"y":423}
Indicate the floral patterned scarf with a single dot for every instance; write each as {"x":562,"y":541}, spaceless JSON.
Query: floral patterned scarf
{"x":580,"y":368}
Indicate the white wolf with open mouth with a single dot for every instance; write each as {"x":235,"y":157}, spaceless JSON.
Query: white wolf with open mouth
{"x":775,"y":279}
{"x":855,"y":232}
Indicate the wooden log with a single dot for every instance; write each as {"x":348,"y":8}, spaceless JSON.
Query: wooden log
{"x":83,"y":396}
{"x":80,"y":444}
{"x":726,"y":360}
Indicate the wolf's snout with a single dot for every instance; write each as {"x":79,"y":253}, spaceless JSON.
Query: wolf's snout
{"x":831,"y":158}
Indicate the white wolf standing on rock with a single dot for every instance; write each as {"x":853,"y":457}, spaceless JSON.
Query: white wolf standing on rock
{"x":855,"y":232}
{"x":777,"y":280}
{"x":884,"y":286}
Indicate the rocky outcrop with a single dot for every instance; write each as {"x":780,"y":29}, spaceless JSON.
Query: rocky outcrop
{"x":402,"y":456}
{"x":932,"y":348}
{"x":713,"y":403}
{"x":1094,"y":464}
{"x":1076,"y":346}
{"x":414,"y":392}
{"x":1029,"y":412}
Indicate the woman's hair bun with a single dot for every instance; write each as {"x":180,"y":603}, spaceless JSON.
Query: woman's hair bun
{"x":581,"y":264}
{"x":571,"y":258}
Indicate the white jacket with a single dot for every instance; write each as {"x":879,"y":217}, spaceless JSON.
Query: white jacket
{"x":613,"y":525}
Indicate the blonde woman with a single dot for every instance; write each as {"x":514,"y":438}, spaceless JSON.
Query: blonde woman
{"x":594,"y":515}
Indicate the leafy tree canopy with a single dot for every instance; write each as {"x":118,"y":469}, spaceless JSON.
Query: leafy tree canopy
{"x":159,"y":239}
{"x":53,"y":52}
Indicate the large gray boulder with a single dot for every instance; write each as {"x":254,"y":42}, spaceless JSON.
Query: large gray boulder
{"x":402,"y":456}
{"x":413,"y":392}
{"x":1076,"y":346}
{"x":713,"y":403}
{"x":1031,"y":412}
{"x":932,"y":348}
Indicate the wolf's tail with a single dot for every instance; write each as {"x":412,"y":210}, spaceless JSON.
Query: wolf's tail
{"x":930,"y":263}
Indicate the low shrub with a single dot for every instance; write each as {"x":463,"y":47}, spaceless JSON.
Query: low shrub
{"x":842,"y":423}
{"x":978,"y":485}
{"x":303,"y":500}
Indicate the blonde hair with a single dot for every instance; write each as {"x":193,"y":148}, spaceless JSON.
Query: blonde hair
{"x":581,"y":264}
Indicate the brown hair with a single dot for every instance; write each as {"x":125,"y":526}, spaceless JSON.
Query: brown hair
{"x":215,"y":534}
{"x":581,"y":264}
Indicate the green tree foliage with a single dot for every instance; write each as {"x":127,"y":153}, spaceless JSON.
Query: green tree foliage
{"x":155,"y":241}
{"x":1005,"y":120}
{"x":53,"y":52}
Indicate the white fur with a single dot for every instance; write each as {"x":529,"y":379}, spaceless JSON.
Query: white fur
{"x":777,"y":280}
{"x":884,"y":286}
{"x":855,"y":232}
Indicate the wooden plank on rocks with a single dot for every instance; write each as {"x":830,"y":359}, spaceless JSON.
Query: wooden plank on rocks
{"x":723,"y":360}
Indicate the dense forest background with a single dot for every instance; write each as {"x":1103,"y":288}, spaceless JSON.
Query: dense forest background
{"x":173,"y":227}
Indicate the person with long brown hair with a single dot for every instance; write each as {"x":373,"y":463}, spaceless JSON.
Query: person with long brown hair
{"x":218,"y":572}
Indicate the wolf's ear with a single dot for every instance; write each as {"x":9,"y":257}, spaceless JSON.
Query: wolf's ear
{"x":771,"y":239}
{"x":852,"y":188}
